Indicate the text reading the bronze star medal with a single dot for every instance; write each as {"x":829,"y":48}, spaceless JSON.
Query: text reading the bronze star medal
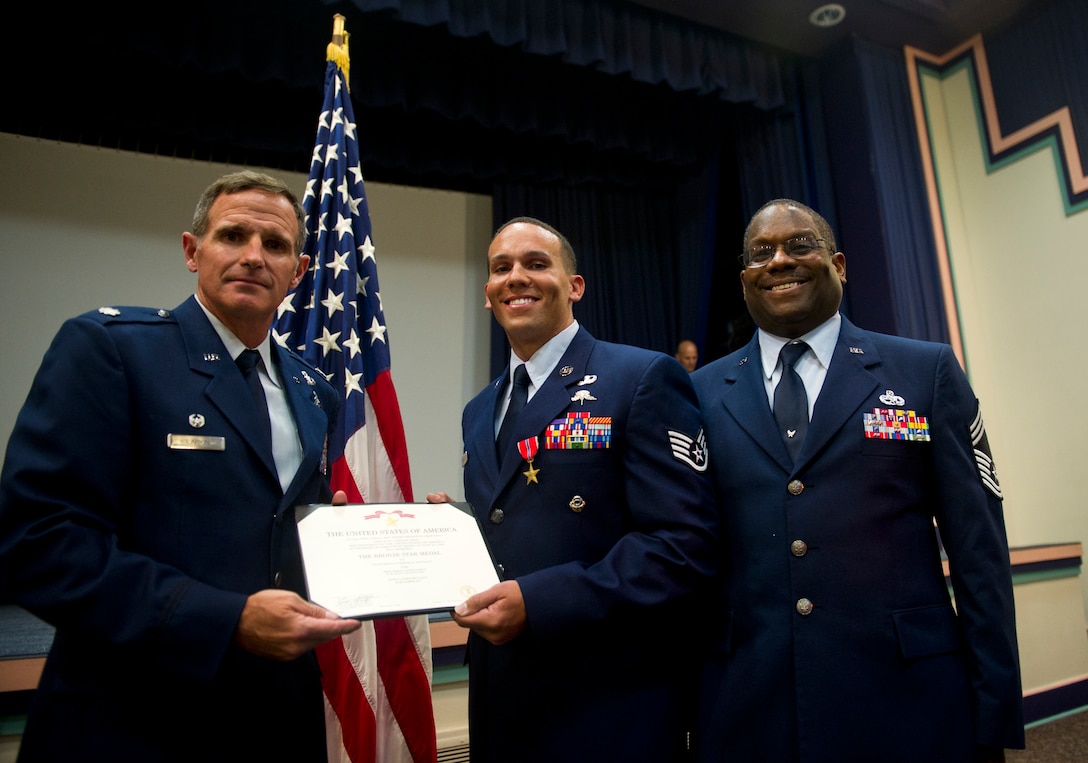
{"x":393,"y":549}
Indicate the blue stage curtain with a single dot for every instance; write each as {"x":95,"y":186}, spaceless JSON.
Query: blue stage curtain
{"x":448,"y":94}
{"x":913,"y":278}
{"x":611,"y":37}
{"x":638,"y":281}
{"x":594,"y":97}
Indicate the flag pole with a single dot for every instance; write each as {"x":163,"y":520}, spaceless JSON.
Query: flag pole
{"x":337,"y":51}
{"x":377,"y":680}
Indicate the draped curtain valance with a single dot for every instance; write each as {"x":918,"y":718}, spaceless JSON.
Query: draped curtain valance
{"x":611,"y":37}
{"x":456,"y":94}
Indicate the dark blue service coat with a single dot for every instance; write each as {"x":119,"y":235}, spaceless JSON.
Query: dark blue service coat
{"x":608,"y":546}
{"x":136,"y":515}
{"x":840,"y":643}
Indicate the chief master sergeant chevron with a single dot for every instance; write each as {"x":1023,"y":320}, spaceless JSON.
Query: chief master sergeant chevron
{"x":599,"y":513}
{"x":146,"y":512}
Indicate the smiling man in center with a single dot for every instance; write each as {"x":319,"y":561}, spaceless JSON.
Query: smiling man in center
{"x":600,"y":517}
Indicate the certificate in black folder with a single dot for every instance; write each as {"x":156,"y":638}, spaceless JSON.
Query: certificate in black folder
{"x":383,"y":559}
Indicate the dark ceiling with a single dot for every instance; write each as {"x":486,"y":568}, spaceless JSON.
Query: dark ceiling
{"x":236,"y":81}
{"x":935,"y":26}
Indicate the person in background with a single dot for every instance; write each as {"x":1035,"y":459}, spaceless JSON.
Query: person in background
{"x":146,"y":511}
{"x":838,"y":641}
{"x":688,"y":355}
{"x":601,"y":520}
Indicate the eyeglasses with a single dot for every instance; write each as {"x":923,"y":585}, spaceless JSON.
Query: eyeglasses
{"x":795,"y":248}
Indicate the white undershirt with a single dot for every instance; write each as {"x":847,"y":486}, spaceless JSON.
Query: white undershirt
{"x":539,"y":366}
{"x":286,"y":446}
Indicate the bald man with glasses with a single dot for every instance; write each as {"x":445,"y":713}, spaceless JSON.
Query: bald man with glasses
{"x":838,"y":455}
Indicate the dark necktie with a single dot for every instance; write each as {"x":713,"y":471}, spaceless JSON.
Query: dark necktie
{"x":790,"y":400}
{"x":247,"y":363}
{"x":518,"y":394}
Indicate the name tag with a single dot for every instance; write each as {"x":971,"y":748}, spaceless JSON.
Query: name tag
{"x":195,"y":442}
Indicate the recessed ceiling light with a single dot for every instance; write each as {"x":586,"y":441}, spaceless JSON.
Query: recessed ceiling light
{"x":827,"y":15}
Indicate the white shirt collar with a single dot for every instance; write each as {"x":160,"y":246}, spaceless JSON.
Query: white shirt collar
{"x":235,"y":346}
{"x":821,"y":340}
{"x":542,"y":362}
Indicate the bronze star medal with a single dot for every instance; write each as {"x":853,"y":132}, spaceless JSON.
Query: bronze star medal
{"x":528,"y":449}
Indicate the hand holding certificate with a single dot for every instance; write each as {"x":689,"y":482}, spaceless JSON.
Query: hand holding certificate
{"x":383,"y":559}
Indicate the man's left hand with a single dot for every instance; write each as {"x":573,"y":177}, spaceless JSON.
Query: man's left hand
{"x":497,"y":614}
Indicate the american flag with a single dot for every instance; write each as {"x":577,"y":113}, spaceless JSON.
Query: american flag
{"x":377,"y":681}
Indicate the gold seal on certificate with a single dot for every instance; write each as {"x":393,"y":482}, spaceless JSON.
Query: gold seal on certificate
{"x":383,"y":559}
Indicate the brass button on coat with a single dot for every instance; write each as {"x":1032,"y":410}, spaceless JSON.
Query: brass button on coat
{"x":796,"y":487}
{"x":497,"y":516}
{"x":798,"y":548}
{"x":804,"y":606}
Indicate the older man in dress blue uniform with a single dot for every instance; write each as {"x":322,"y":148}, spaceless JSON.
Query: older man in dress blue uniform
{"x":146,"y":511}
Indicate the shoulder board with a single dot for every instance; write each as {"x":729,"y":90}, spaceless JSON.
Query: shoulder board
{"x":131,"y":315}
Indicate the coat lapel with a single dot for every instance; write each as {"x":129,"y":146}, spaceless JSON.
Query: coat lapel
{"x":310,"y":417}
{"x":553,"y":397}
{"x":480,"y":433}
{"x":849,"y":383}
{"x":226,"y":388}
{"x":744,"y":396}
